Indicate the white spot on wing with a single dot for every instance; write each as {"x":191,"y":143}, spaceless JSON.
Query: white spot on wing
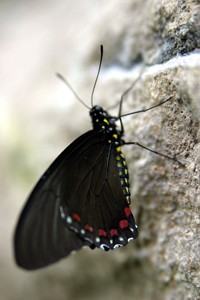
{"x":130,"y":239}
{"x":104,"y":246}
{"x":97,"y":240}
{"x":69,"y":220}
{"x":117,"y":246}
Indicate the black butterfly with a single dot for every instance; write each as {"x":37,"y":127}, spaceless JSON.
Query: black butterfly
{"x":82,"y":199}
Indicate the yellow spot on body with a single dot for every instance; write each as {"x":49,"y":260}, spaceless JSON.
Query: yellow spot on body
{"x":115,"y":136}
{"x":127,"y":189}
{"x":124,"y":162}
{"x":122,"y":155}
{"x":122,"y":182}
{"x":125,"y":179}
{"x":102,"y":127}
{"x":119,"y":165}
{"x":118,"y":157}
{"x":120,"y":173}
{"x":106,"y":121}
{"x":118,"y":149}
{"x":126,"y":171}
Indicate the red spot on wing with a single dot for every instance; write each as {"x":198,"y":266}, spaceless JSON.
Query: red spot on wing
{"x":123,"y":224}
{"x":127,"y":211}
{"x":76,"y":217}
{"x":89,"y":228}
{"x":102,"y":232}
{"x":113,"y":232}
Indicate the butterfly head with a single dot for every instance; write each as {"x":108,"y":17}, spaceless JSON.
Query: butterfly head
{"x":101,"y":120}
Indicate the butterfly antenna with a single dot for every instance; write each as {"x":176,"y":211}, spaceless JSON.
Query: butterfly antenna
{"x":72,"y":90}
{"x":101,"y":58}
{"x":127,"y":91}
{"x":146,"y":109}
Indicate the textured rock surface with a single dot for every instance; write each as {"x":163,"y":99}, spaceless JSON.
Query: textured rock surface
{"x":162,"y":39}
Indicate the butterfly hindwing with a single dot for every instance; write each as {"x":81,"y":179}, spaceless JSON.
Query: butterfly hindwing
{"x":93,"y":203}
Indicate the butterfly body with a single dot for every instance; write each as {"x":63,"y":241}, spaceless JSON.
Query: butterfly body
{"x":82,"y":199}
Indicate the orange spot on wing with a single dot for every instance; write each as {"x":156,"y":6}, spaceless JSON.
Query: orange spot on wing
{"x":76,"y":217}
{"x":89,"y":228}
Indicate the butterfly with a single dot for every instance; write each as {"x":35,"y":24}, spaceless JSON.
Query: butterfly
{"x":83,"y":199}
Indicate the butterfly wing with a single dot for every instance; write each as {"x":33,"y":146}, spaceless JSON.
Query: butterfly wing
{"x":78,"y":201}
{"x":41,"y":237}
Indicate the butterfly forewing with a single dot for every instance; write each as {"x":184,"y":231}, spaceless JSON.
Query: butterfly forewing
{"x":41,"y":237}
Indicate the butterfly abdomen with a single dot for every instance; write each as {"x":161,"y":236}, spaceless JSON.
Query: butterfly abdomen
{"x":123,"y":173}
